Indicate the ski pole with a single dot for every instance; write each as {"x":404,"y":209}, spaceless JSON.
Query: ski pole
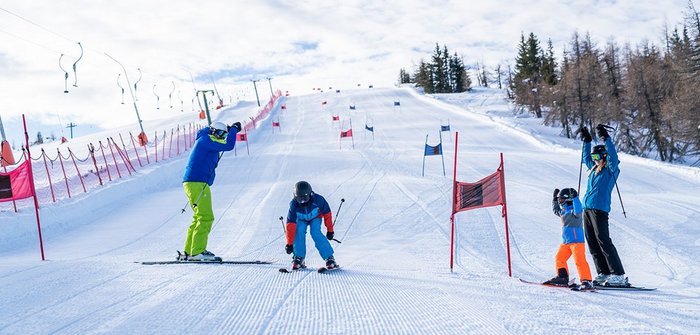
{"x":283,"y":227}
{"x":612,"y":129}
{"x":342,"y":200}
{"x":580,"y":164}
{"x":620,"y":196}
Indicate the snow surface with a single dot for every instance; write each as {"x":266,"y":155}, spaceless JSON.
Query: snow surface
{"x":394,"y":227}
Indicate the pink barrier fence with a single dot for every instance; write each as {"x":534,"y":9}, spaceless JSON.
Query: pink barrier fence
{"x":65,"y":174}
{"x":262,"y":113}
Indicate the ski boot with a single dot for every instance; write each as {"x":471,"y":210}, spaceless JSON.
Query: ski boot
{"x":298,"y":263}
{"x":330,"y":263}
{"x":586,"y":285}
{"x":617,"y":281}
{"x":561,"y":280}
{"x":206,"y":256}
{"x":182,"y":256}
{"x":600,"y":279}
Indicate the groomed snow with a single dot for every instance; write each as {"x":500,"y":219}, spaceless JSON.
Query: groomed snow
{"x":394,"y":227}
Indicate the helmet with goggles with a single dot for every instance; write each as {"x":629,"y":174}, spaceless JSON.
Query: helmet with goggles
{"x":599,"y":152}
{"x":303,"y":192}
{"x":219,"y":129}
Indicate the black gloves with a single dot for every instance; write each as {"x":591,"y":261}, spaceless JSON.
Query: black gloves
{"x":289,"y":248}
{"x":585,"y":135}
{"x":329,"y":235}
{"x":602,"y":132}
{"x":236,"y":125}
{"x":555,"y":196}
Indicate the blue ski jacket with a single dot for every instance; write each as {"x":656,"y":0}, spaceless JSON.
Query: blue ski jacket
{"x":571,"y":221}
{"x":315,"y":209}
{"x":205,"y":155}
{"x":600,"y":184}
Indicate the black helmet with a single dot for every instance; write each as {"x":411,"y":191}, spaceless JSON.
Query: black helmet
{"x":303,"y":192}
{"x":601,"y":151}
{"x":567,"y":194}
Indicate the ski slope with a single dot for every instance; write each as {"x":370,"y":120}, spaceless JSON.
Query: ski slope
{"x":394,"y":227}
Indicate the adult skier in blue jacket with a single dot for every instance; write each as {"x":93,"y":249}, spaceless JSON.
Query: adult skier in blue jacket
{"x":199,"y":176}
{"x":603,"y":170}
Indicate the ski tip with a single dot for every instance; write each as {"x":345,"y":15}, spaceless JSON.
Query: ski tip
{"x":324,"y":269}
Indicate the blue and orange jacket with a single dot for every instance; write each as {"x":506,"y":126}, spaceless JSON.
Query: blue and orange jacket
{"x":315,"y":209}
{"x":571,"y":221}
{"x":205,"y":155}
{"x":601,"y":184}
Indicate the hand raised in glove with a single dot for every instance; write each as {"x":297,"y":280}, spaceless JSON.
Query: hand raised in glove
{"x":556,"y":194}
{"x":329,"y":235}
{"x":602,"y":132}
{"x":585,"y":135}
{"x":289,"y":248}
{"x":236,"y":125}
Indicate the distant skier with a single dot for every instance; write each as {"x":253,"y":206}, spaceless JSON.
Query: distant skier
{"x":305,"y":211}
{"x":199,"y":176}
{"x":567,"y":206}
{"x":602,"y":174}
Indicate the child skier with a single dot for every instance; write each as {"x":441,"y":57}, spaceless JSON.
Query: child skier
{"x":306,"y":210}
{"x":567,"y":206}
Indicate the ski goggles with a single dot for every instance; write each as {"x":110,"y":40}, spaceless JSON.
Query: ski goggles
{"x":596,"y":157}
{"x":302,"y":199}
{"x":220,"y":133}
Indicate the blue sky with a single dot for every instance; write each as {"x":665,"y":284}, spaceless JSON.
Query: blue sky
{"x":300,"y":44}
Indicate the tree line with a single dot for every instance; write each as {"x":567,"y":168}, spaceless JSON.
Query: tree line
{"x":444,"y":73}
{"x":649,"y":93}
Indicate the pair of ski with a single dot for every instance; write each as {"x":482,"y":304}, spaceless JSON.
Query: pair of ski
{"x":322,"y":269}
{"x":577,"y":287}
{"x":215,"y":261}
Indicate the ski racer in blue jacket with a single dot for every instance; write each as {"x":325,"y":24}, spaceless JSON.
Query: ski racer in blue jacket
{"x":603,"y":170}
{"x":306,"y":211}
{"x":199,"y":176}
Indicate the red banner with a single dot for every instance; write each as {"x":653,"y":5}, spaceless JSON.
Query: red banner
{"x":275,"y":124}
{"x":241,"y":137}
{"x":346,"y":133}
{"x":16,"y":184}
{"x":484,"y":193}
{"x":336,"y":117}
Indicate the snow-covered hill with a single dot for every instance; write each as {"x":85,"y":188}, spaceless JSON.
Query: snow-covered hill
{"x":394,"y":227}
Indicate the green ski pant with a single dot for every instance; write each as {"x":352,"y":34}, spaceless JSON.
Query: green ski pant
{"x":199,"y":196}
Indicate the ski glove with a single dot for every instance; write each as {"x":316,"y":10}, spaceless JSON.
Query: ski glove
{"x":556,"y":194}
{"x":329,"y":235}
{"x":289,"y":248}
{"x":236,"y":125}
{"x":585,"y":135}
{"x":602,"y":132}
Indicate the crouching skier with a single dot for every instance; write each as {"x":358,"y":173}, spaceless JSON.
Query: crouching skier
{"x":306,"y":211}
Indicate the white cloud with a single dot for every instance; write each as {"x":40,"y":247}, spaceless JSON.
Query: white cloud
{"x":302,"y":44}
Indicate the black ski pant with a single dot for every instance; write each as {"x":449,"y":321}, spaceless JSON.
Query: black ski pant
{"x":595,"y":225}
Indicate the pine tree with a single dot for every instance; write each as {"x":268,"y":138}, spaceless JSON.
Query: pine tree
{"x":528,"y":67}
{"x":438,"y":67}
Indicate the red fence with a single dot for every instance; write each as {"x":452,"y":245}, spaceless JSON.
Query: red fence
{"x":262,"y":113}
{"x":65,"y":174}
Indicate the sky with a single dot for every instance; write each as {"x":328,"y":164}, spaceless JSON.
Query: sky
{"x":299,"y":44}
{"x":394,"y":225}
